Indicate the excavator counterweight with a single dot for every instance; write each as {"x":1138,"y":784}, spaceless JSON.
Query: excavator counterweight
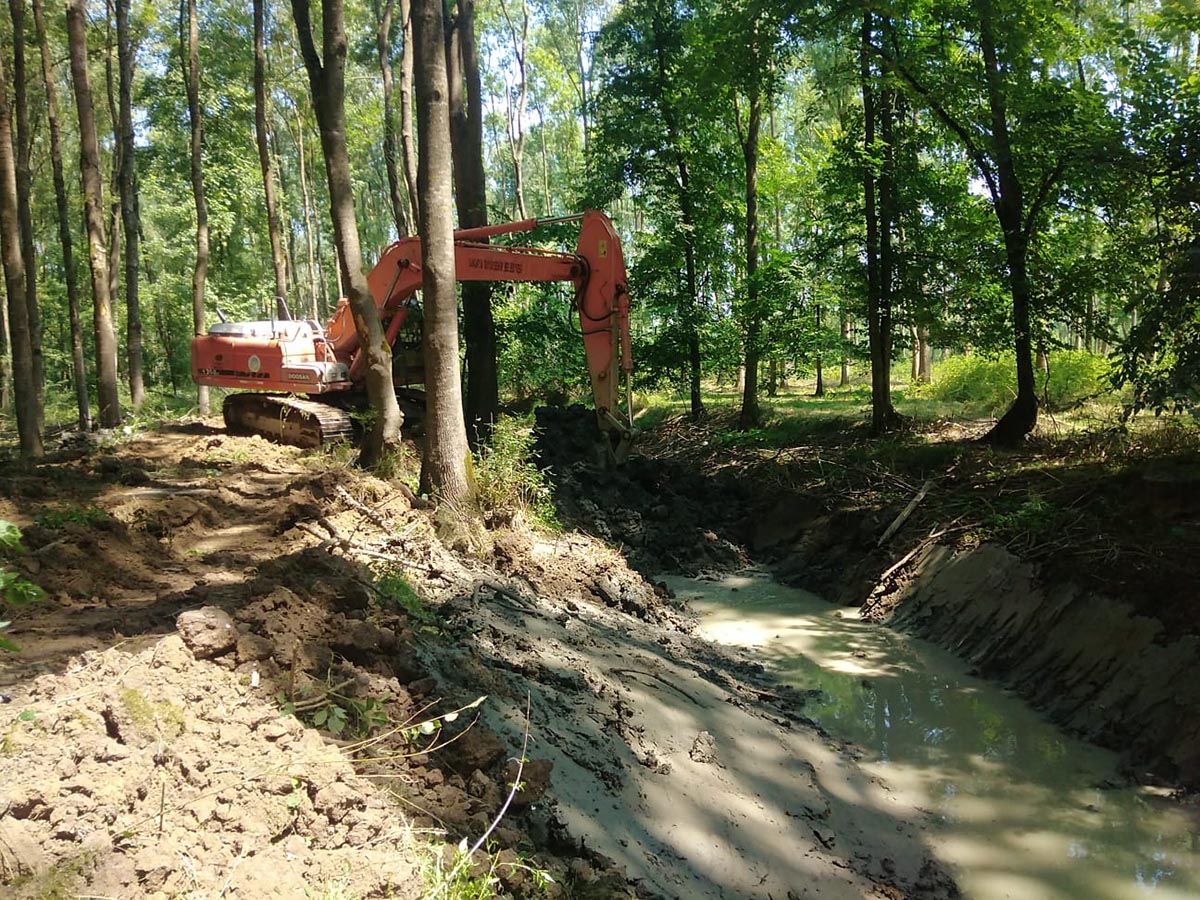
{"x":277,"y":359}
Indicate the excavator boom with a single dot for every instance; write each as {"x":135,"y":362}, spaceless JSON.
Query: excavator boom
{"x":307,"y":358}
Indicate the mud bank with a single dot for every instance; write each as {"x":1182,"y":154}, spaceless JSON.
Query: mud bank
{"x":1096,"y":665}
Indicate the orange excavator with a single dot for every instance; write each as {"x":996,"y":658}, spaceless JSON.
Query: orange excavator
{"x":279,"y":360}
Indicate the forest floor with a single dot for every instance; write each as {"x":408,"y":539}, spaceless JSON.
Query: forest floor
{"x":424,"y":655}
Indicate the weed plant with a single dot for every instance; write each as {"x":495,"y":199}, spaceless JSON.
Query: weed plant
{"x":506,"y":478}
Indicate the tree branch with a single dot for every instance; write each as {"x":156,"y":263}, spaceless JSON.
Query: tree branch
{"x":960,"y":130}
{"x":308,"y":49}
{"x":1043,"y":195}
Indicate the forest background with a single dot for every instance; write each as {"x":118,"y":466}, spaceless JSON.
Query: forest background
{"x":804,"y":189}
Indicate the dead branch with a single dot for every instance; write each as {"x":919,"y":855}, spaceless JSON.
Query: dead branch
{"x":905,"y":513}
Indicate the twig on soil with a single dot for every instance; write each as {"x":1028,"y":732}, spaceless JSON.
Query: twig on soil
{"x":880,"y":586}
{"x":516,"y":786}
{"x":905,"y":513}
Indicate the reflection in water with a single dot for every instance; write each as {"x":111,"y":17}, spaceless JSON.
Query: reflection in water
{"x":1018,"y":808}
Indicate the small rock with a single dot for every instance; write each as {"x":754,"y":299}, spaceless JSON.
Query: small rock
{"x":704,"y":748}
{"x":208,"y":631}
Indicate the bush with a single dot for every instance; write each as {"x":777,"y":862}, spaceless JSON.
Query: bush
{"x":506,"y":478}
{"x":991,"y":382}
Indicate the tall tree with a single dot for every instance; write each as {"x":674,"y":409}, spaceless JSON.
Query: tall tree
{"x":109,"y":400}
{"x":445,"y":463}
{"x":327,"y":81}
{"x":78,"y":367}
{"x":24,"y":147}
{"x":407,"y":145}
{"x":1024,"y":121}
{"x":516,"y":99}
{"x":189,"y":56}
{"x":383,"y":45}
{"x":470,"y":182}
{"x":278,"y":263}
{"x":28,"y":429}
{"x":130,"y":212}
{"x":879,"y":205}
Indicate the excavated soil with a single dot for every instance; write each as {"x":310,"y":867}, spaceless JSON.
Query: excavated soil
{"x":135,"y":763}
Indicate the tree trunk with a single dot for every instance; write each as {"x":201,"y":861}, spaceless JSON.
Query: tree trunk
{"x":23,"y":146}
{"x":914,"y":373}
{"x":470,"y":181}
{"x":879,"y":205}
{"x":190,"y":60}
{"x":819,"y":390}
{"x":1021,"y":417}
{"x":516,"y":112}
{"x":114,"y":182}
{"x":315,"y":278}
{"x":383,"y":44}
{"x":924,"y":355}
{"x":130,"y":213}
{"x":327,"y":79}
{"x":750,"y":416}
{"x":78,"y":368}
{"x":690,"y":313}
{"x":445,"y":467}
{"x":407,"y":146}
{"x":24,"y":390}
{"x":278,"y":262}
{"x":844,"y":381}
{"x":108,"y":396}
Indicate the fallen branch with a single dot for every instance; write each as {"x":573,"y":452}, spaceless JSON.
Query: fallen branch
{"x":905,"y":513}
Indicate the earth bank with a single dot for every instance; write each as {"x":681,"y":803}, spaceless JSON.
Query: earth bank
{"x":431,"y":666}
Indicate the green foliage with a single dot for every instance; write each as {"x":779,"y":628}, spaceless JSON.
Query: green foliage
{"x":506,"y":478}
{"x":334,"y":712}
{"x":988,"y":383}
{"x":1034,"y":516}
{"x":55,"y":519}
{"x":395,"y":593}
{"x":16,"y":592}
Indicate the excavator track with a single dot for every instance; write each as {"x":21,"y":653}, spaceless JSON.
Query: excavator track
{"x":287,"y":420}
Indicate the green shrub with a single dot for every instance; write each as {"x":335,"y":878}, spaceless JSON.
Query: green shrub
{"x":991,"y":382}
{"x":15,"y":591}
{"x":507,"y":480}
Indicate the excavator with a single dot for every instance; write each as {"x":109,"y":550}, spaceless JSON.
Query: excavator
{"x":303,"y":379}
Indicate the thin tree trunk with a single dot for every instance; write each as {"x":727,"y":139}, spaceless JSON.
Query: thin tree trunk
{"x":130,"y":212}
{"x":5,"y":357}
{"x":114,"y":181}
{"x":687,"y":209}
{"x":78,"y":368}
{"x":1021,"y":417}
{"x":23,"y":147}
{"x":383,"y":44}
{"x":546,"y":204}
{"x":24,"y":390}
{"x":844,"y":381}
{"x":190,"y":58}
{"x":286,"y":232}
{"x":407,"y":145}
{"x":109,"y":401}
{"x":516,"y":112}
{"x":445,"y":464}
{"x":327,"y":78}
{"x":819,"y":390}
{"x":470,"y":179}
{"x":750,"y":416}
{"x":914,"y":373}
{"x":278,"y":262}
{"x":315,"y":279}
{"x":925,"y":355}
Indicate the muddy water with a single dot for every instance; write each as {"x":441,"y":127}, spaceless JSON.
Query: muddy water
{"x":1014,"y":806}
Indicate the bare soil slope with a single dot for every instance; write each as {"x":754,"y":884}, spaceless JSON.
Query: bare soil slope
{"x":129,"y":767}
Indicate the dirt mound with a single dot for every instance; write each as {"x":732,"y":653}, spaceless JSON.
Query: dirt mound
{"x":664,"y":516}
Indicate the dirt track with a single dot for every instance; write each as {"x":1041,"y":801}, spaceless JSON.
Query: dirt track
{"x":657,"y":765}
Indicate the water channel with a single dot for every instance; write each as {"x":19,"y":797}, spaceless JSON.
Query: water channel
{"x":1016,"y":808}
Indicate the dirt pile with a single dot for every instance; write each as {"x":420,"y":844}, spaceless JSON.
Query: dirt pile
{"x":665,"y":517}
